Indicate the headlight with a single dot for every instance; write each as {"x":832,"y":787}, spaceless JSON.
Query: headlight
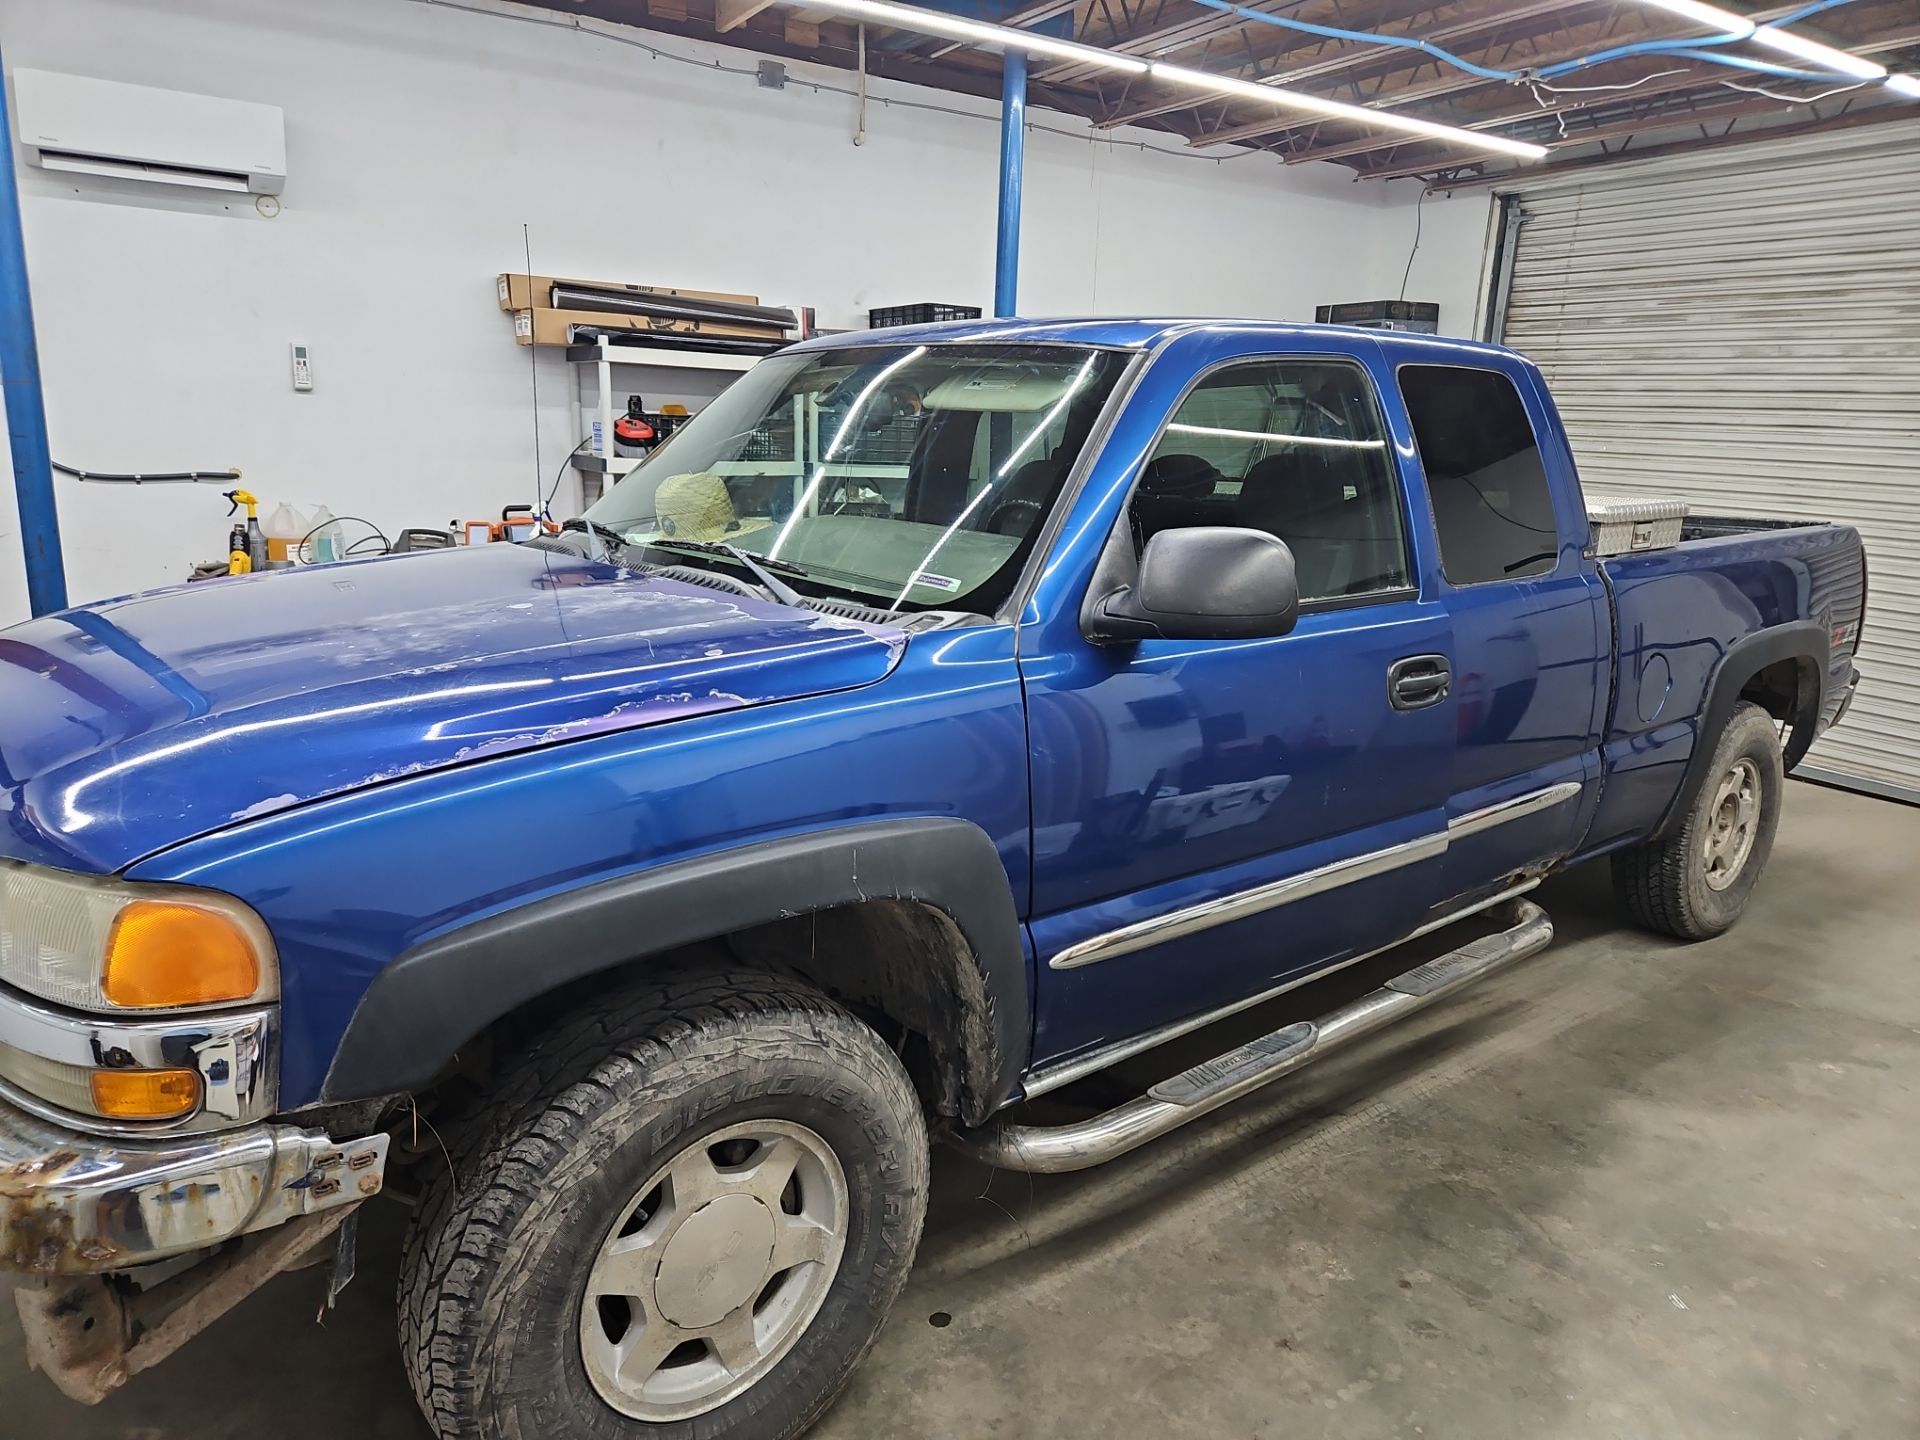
{"x":105,"y":945}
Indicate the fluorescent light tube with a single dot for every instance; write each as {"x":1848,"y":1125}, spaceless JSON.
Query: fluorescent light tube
{"x":978,"y":32}
{"x":1340,"y":110}
{"x":1813,"y":52}
{"x":1785,"y":42}
{"x":1711,"y":16}
{"x":1005,"y":37}
{"x":1907,"y":85}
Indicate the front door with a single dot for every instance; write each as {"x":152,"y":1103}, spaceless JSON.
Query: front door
{"x":1214,"y":817}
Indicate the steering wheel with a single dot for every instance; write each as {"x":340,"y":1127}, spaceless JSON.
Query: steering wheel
{"x":1022,"y":512}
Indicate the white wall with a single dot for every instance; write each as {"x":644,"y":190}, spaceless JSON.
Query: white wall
{"x":420,"y":138}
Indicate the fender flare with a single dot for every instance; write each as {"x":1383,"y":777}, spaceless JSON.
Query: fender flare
{"x":1806,"y":641}
{"x":434,"y":998}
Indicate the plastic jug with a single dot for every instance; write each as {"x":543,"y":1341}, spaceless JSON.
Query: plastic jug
{"x":329,"y":540}
{"x":285,"y":530}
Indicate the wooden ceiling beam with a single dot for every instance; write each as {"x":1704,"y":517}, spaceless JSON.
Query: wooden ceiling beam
{"x":732,"y":14}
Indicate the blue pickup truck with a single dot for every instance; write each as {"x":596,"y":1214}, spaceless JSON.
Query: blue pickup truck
{"x":942,"y":715}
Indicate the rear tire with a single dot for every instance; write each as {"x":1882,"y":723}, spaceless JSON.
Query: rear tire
{"x":1694,"y":882}
{"x":684,"y":1214}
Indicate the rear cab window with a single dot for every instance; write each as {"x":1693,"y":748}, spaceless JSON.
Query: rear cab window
{"x":1492,"y":509}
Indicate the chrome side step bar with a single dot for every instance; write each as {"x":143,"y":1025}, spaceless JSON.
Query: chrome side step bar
{"x":1213,"y":1083}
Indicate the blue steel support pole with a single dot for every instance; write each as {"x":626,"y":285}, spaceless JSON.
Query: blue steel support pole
{"x":26,"y":412}
{"x":1013,"y":149}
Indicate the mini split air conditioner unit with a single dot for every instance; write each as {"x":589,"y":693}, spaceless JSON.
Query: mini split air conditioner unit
{"x":134,"y":132}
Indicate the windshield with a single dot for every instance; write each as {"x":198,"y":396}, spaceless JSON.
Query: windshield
{"x":905,"y":477}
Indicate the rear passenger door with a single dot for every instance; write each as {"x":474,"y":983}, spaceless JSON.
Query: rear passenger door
{"x":1529,"y":619}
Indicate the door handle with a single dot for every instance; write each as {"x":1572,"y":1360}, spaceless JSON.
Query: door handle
{"x":1418,"y":681}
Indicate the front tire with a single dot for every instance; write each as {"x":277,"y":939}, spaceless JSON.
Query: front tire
{"x":1694,"y":882}
{"x":684,"y":1214}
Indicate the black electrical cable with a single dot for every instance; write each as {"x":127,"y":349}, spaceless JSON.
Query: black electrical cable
{"x":159,"y":477}
{"x":546,"y":505}
{"x":378,"y":534}
{"x":1407,"y":274}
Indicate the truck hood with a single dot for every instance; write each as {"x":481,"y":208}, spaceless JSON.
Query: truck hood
{"x":132,"y":725}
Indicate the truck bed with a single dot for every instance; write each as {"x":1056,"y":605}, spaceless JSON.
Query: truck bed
{"x":1676,"y":614}
{"x":1719,"y":527}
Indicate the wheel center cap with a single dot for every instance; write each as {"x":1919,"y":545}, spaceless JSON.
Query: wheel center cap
{"x":715,"y":1262}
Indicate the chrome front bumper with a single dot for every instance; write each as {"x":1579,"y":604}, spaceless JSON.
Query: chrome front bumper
{"x":233,"y":1052}
{"x":75,"y":1204}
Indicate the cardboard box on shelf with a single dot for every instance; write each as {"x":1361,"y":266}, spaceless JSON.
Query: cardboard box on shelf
{"x":535,"y":292}
{"x":555,"y":327}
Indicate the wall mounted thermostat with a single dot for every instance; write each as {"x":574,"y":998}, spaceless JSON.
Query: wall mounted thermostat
{"x":302,"y":368}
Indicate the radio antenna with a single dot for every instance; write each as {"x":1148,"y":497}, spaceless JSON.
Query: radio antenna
{"x":533,"y":366}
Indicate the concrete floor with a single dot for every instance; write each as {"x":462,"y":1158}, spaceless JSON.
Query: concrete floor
{"x":1629,"y":1188}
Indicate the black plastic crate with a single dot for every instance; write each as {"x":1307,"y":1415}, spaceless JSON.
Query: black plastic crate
{"x":890,"y":315}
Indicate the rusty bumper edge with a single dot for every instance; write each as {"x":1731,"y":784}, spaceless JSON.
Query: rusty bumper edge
{"x":75,"y":1204}
{"x":90,"y":1337}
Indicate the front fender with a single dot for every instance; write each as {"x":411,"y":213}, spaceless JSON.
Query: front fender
{"x":434,"y":998}
{"x":353,"y":885}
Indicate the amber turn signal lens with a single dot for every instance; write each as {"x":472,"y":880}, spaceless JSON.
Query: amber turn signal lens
{"x":165,"y":953}
{"x":145,"y":1094}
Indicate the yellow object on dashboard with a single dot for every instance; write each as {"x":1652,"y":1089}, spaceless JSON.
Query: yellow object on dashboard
{"x":695,"y":507}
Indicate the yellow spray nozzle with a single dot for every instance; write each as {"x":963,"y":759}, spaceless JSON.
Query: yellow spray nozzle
{"x":237,"y":498}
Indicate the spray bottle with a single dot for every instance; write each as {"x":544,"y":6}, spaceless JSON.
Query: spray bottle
{"x":246,"y":545}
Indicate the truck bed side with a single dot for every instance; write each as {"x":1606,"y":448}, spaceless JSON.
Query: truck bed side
{"x":1768,"y":610}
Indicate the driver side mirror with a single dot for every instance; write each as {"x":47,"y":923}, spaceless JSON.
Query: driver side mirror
{"x":1204,"y":582}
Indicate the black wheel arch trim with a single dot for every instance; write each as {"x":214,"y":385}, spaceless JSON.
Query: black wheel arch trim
{"x":1806,"y":641}
{"x":434,"y":998}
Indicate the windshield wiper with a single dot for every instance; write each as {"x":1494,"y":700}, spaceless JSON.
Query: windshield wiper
{"x":761,"y":569}
{"x":612,"y":539}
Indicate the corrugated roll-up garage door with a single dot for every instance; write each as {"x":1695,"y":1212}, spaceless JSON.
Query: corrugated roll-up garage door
{"x":1741,"y":328}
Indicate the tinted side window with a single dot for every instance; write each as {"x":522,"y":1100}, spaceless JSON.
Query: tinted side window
{"x":1291,"y":447}
{"x":1491,"y":505}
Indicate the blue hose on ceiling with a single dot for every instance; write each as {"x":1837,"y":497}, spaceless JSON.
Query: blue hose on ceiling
{"x":1334,"y":32}
{"x":1759,"y":67}
{"x":1694,"y":48}
{"x":1697,"y":48}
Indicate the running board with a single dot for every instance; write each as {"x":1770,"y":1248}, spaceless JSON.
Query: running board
{"x":1213,"y":1083}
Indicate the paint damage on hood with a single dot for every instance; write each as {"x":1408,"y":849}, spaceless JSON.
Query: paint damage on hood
{"x":136,"y":724}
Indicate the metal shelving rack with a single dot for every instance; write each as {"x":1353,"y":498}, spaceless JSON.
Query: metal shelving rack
{"x":606,"y":357}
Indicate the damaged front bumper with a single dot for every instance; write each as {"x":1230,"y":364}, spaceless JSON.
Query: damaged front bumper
{"x":76,"y":1208}
{"x":76,"y":1204}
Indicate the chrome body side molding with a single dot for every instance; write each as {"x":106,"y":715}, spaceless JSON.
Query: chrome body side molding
{"x":1052,"y":1077}
{"x":1194,"y":918}
{"x":1518,"y":808}
{"x":1223,"y":909}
